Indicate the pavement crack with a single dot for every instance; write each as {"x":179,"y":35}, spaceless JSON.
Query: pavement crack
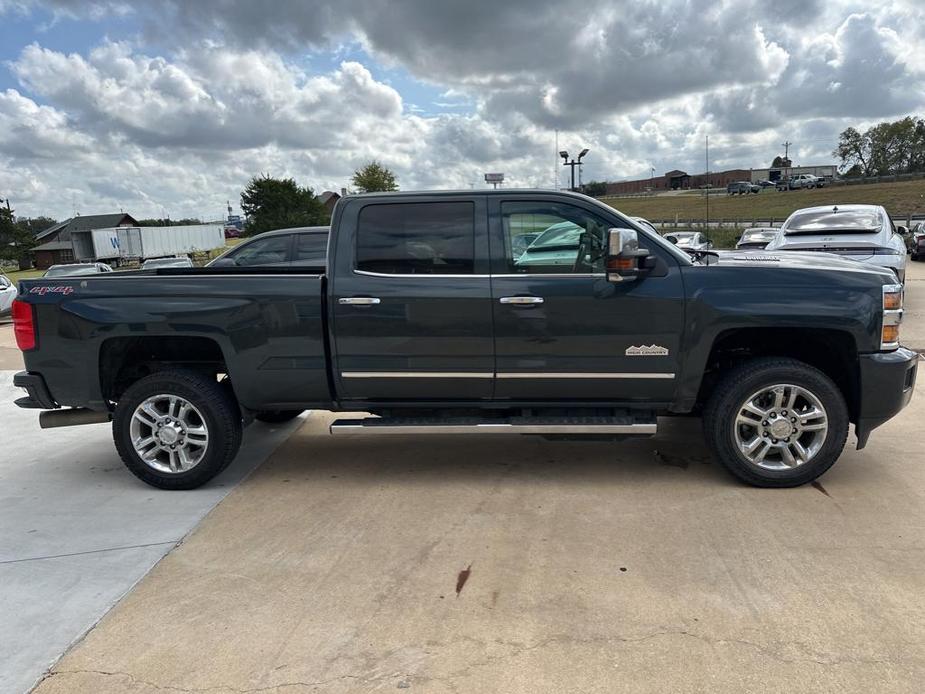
{"x":89,"y":551}
{"x":218,"y":688}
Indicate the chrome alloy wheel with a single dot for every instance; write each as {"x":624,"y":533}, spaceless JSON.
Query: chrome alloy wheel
{"x":780,"y":427}
{"x":169,"y":434}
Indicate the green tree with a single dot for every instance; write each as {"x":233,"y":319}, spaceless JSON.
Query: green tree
{"x":279,"y":203}
{"x":18,"y":238}
{"x":595,"y":188}
{"x":374,"y":177}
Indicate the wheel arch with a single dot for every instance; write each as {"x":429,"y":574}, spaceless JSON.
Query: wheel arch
{"x":125,"y":360}
{"x":833,"y":352}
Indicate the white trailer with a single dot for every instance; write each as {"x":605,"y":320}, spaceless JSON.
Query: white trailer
{"x":159,"y":242}
{"x":96,"y":244}
{"x":141,"y":243}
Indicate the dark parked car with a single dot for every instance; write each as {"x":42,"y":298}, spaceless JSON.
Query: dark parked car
{"x":742,"y":188}
{"x":299,"y":246}
{"x":74,"y":269}
{"x":423,"y":317}
{"x":915,"y":241}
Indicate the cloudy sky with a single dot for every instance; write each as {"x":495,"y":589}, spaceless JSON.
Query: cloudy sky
{"x":172,"y":106}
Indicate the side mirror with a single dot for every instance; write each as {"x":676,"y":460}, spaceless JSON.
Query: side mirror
{"x":624,"y":255}
{"x":902,"y":231}
{"x":222,"y":262}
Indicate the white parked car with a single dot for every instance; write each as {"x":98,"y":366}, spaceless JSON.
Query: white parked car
{"x":756,"y":238}
{"x":76,"y":269}
{"x":8,"y":292}
{"x":864,"y":233}
{"x":690,"y":241}
{"x":154,"y":263}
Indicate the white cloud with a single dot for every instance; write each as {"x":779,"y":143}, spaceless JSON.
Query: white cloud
{"x":640,"y":84}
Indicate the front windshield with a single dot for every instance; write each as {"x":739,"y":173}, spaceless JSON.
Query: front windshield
{"x":680,"y":237}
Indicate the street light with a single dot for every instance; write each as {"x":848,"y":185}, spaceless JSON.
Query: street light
{"x":573,"y":163}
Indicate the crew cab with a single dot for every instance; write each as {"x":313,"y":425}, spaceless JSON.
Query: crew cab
{"x":428,"y":317}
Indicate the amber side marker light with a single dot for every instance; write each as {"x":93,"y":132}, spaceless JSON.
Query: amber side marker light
{"x":892,"y":316}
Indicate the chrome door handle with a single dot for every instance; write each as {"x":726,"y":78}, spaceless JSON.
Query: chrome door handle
{"x":358,"y":301}
{"x":521,"y":300}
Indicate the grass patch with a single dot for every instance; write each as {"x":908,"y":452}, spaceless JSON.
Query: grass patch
{"x":899,"y":199}
{"x":16,"y":275}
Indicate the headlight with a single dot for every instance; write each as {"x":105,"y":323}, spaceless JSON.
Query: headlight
{"x":892,"y":316}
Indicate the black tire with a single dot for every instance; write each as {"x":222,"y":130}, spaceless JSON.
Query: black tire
{"x":277,"y":416}
{"x":731,"y":393}
{"x":220,"y":414}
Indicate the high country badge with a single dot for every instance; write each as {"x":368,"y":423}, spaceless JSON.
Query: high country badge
{"x":647,"y":351}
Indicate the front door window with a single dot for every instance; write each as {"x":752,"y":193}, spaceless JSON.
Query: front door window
{"x":552,"y":238}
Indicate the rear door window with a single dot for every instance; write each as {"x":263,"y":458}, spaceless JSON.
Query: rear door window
{"x":311,"y":249}
{"x":273,"y":250}
{"x":421,"y":238}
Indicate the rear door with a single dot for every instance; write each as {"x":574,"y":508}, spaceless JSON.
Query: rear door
{"x":562,"y":331}
{"x":411,"y":299}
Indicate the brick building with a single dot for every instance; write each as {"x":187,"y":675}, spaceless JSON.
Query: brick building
{"x":679,"y":180}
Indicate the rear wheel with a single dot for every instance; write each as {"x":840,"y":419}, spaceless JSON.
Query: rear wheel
{"x":277,"y":416}
{"x":776,"y":422}
{"x":177,"y":429}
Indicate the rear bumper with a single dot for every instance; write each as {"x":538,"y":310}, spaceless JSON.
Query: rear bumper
{"x":886,"y":385}
{"x":39,"y":397}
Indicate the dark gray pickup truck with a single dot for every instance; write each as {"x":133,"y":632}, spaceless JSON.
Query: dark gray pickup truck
{"x":528,"y":312}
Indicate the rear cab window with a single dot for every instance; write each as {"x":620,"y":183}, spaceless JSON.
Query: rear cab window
{"x":416,"y":238}
{"x":835,"y":220}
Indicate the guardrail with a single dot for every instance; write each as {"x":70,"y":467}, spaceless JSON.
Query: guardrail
{"x":908,"y":221}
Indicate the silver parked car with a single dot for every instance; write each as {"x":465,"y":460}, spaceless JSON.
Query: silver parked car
{"x":154,"y":263}
{"x":861,"y":232}
{"x":756,"y":238}
{"x":690,"y":241}
{"x":76,"y":269}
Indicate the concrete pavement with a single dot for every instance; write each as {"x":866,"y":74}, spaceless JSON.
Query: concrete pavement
{"x":78,"y":530}
{"x":455,"y":564}
{"x":519,"y":565}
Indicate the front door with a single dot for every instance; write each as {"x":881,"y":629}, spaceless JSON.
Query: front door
{"x":412,"y":301}
{"x":562,"y":331}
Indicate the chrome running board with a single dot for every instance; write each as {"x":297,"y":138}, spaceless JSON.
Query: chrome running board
{"x":626,"y":426}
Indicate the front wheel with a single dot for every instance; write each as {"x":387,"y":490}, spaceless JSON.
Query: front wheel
{"x":177,"y":429}
{"x":776,"y":422}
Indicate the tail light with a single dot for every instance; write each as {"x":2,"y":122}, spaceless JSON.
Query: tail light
{"x":24,"y":325}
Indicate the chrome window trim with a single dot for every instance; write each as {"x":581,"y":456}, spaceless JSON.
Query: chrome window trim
{"x":506,"y":375}
{"x":605,"y":374}
{"x":367,"y":273}
{"x":417,"y":374}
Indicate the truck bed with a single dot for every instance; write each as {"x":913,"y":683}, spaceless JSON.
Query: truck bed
{"x":267,"y":327}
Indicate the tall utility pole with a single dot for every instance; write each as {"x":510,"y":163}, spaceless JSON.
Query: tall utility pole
{"x":786,"y":146}
{"x":555,"y":166}
{"x":707,"y":190}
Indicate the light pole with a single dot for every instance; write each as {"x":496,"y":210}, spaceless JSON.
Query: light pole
{"x":573,"y":163}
